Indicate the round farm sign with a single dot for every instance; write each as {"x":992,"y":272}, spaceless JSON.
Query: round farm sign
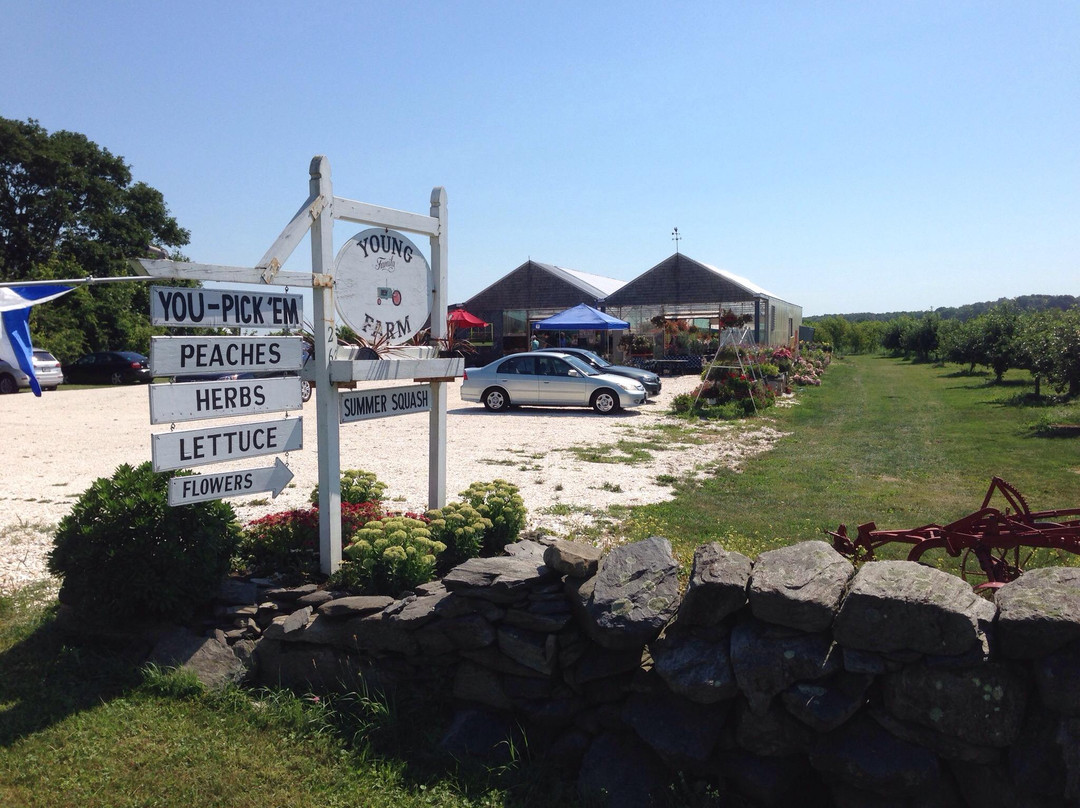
{"x":383,"y":286}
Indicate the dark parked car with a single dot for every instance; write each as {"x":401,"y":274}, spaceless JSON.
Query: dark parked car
{"x":108,"y":367}
{"x":649,"y":380}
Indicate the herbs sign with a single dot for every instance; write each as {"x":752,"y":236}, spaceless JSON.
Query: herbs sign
{"x":384,"y":286}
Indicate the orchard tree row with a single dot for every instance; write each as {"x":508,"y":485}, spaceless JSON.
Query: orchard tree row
{"x":1045,"y":343}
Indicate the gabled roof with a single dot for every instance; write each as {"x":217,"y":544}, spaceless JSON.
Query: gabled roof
{"x":594,"y":285}
{"x":674,"y":266}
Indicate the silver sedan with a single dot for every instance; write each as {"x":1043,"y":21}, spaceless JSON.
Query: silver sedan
{"x":548,"y":378}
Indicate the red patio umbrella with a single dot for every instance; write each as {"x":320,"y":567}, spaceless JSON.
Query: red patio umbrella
{"x":462,"y":318}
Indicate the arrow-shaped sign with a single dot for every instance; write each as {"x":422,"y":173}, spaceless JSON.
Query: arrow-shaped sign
{"x":200,"y":487}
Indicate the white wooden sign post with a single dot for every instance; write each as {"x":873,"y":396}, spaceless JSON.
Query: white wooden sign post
{"x":392,"y":294}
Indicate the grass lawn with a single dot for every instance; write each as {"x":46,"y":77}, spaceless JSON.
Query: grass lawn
{"x":85,"y":725}
{"x":881,"y":440}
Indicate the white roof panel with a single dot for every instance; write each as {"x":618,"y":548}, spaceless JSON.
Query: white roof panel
{"x":597,"y":285}
{"x":748,"y":285}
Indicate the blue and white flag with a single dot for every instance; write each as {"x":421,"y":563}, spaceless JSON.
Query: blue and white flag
{"x":15,"y":303}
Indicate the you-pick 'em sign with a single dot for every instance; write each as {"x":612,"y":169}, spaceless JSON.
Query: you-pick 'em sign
{"x":217,"y":308}
{"x":364,"y":405}
{"x":384,"y":285}
{"x":197,"y":447}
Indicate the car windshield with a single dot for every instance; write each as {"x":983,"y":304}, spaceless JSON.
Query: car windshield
{"x":581,"y":366}
{"x":597,"y":359}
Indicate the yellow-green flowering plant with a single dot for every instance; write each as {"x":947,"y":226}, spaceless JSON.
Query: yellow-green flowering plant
{"x":387,"y":556}
{"x":501,"y":502}
{"x":462,"y":528}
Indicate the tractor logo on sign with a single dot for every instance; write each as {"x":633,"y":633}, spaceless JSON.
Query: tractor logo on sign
{"x":386,"y":293}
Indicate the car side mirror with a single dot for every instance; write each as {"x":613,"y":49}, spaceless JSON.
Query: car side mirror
{"x":572,"y":372}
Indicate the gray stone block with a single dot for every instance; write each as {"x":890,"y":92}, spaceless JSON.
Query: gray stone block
{"x":866,"y":756}
{"x":717,"y":587}
{"x":571,"y":558}
{"x":799,"y":586}
{"x":898,"y":606}
{"x":696,"y":668}
{"x":632,"y":597}
{"x":1039,"y":612}
{"x":500,"y":580}
{"x":768,"y":659}
{"x":983,"y":705}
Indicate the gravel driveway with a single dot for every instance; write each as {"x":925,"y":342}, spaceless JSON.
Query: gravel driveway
{"x":58,"y":444}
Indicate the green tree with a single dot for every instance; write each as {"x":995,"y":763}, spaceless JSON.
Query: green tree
{"x":866,"y":336}
{"x":922,"y":338}
{"x":1065,"y":348}
{"x":834,"y":330}
{"x":961,"y":342}
{"x":69,"y":208}
{"x":997,"y":330}
{"x":1036,"y":344}
{"x":892,"y":337}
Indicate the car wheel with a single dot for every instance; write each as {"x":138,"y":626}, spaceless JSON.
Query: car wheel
{"x":495,"y":399}
{"x":305,"y":390}
{"x":116,"y":378}
{"x":8,"y":385}
{"x":605,"y":401}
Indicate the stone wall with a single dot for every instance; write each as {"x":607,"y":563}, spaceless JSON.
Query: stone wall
{"x":790,"y":681}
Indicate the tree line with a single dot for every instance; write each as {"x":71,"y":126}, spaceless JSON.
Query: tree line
{"x":71,"y":209}
{"x":967,"y":311}
{"x":1006,"y":336}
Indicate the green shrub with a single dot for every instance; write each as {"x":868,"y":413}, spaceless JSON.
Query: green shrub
{"x":288,"y":542}
{"x":501,"y":502}
{"x":684,"y":402}
{"x":461,"y":527}
{"x":389,"y":555}
{"x":357,"y":486}
{"x":124,"y":549}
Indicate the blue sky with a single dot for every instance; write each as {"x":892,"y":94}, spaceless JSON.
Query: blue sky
{"x":846,"y":156}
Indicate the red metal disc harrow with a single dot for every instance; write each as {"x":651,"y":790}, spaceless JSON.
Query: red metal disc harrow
{"x":993,"y":537}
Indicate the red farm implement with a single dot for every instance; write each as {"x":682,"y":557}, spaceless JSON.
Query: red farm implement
{"x":995,"y":539}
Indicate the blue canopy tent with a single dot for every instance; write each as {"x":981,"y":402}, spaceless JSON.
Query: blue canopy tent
{"x":581,"y":317}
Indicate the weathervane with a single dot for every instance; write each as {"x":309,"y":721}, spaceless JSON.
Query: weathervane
{"x":675,"y":237}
